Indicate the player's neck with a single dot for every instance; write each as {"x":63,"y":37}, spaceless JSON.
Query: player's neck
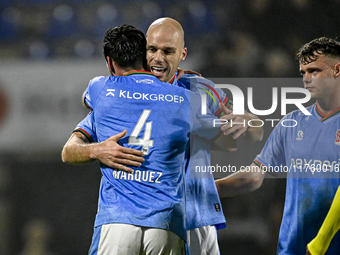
{"x":172,"y":79}
{"x":116,"y":70}
{"x":123,"y":72}
{"x":327,"y":107}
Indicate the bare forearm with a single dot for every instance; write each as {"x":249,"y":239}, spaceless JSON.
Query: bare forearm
{"x":77,"y":150}
{"x":240,"y":182}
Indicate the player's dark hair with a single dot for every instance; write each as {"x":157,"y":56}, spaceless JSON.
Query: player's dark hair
{"x":324,"y":46}
{"x":126,"y":46}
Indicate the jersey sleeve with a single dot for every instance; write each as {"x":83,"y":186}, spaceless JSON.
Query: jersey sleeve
{"x":205,"y":125}
{"x":216,"y":96}
{"x":213,"y":95}
{"x":91,"y":92}
{"x":207,"y":121}
{"x":87,"y":127}
{"x":272,"y":156}
{"x":331,"y":225}
{"x":86,"y":99}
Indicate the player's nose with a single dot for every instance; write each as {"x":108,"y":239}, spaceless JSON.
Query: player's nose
{"x":158,"y":57}
{"x":307,"y":78}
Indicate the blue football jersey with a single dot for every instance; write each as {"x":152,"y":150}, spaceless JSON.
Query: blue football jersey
{"x":203,"y":205}
{"x":307,"y":148}
{"x":157,"y":118}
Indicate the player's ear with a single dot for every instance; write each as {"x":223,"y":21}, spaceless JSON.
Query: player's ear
{"x":184,"y":53}
{"x":337,"y":70}
{"x":110,"y":65}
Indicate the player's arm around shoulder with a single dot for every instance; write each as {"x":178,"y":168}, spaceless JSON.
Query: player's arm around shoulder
{"x":233,"y":125}
{"x":245,"y":180}
{"x":213,"y":95}
{"x":246,"y":124}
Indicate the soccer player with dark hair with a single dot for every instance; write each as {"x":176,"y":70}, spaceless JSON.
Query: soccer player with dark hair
{"x":141,"y":212}
{"x":309,"y":152}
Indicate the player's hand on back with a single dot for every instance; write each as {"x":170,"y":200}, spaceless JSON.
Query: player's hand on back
{"x":110,"y":153}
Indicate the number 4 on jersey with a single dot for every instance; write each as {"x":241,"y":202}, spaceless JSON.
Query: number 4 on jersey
{"x":145,"y":142}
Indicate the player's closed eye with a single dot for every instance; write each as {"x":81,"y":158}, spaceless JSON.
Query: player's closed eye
{"x":151,"y":49}
{"x":168,"y":52}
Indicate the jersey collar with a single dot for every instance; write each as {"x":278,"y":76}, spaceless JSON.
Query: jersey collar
{"x":139,"y":72}
{"x":150,"y":73}
{"x":173,"y":78}
{"x":328,"y":116}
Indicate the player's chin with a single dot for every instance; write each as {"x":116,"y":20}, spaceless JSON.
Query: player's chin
{"x":158,"y":74}
{"x":313,"y":95}
{"x":161,"y":76}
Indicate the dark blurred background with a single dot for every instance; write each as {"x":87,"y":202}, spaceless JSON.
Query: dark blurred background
{"x":50,"y":49}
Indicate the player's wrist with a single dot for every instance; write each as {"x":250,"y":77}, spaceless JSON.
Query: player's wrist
{"x":92,"y":150}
